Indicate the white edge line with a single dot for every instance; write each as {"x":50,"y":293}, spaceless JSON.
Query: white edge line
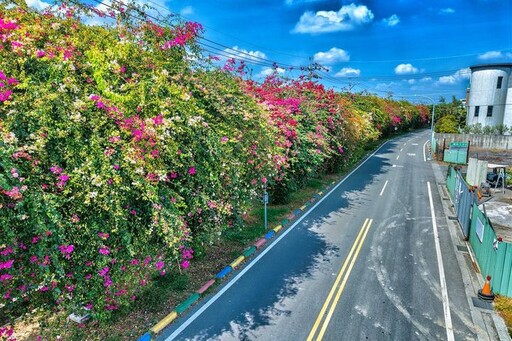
{"x":442,"y":278}
{"x":397,"y":157}
{"x":263,"y":253}
{"x":383,"y":188}
{"x":424,"y":151}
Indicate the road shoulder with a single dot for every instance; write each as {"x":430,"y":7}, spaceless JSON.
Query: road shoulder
{"x":488,"y":324}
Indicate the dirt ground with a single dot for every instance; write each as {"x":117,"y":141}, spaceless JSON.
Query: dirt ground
{"x":492,"y":156}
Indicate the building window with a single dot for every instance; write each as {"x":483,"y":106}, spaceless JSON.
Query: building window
{"x":489,"y":111}
{"x":477,"y":110}
{"x":500,"y":80}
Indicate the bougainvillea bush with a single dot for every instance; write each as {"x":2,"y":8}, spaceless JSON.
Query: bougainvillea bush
{"x":122,"y":146}
{"x":115,"y":152}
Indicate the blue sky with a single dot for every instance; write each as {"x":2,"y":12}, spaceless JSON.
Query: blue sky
{"x":402,"y":48}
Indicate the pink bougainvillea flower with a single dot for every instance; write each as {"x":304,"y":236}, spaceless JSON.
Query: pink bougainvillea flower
{"x":192,"y":171}
{"x":224,"y":139}
{"x":134,"y":262}
{"x":75,"y":218}
{"x":5,"y":277}
{"x":137,"y":133}
{"x":264,"y":180}
{"x":6,"y":265}
{"x":40,"y":54}
{"x":104,"y":271}
{"x":116,"y":167}
{"x":185,"y":264}
{"x":104,"y":251}
{"x":56,"y":170}
{"x":5,"y":95}
{"x":6,"y":251}
{"x":158,"y":120}
{"x":103,"y":235}
{"x":66,"y":250}
{"x":159,"y":265}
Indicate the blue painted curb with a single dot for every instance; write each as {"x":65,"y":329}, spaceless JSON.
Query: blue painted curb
{"x":145,"y":337}
{"x":222,"y":273}
{"x":297,"y":211}
{"x":270,"y":234}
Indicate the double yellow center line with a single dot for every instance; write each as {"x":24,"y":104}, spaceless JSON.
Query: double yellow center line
{"x":337,"y":288}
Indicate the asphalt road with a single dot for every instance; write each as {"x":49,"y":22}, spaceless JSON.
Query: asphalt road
{"x":361,"y":264}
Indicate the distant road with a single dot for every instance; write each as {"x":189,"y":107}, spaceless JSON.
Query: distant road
{"x":362,"y":264}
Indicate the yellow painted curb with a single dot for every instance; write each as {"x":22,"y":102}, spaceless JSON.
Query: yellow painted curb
{"x":164,"y":322}
{"x":277,"y":228}
{"x":303,"y":208}
{"x":320,"y":193}
{"x":237,"y":261}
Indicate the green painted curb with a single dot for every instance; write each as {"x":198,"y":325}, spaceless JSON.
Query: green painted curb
{"x":185,"y":305}
{"x":249,"y":251}
{"x":284,"y":222}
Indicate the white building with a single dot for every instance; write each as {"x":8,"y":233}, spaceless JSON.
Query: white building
{"x":490,"y":95}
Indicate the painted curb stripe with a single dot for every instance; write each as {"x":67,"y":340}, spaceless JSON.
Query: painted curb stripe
{"x":269,"y":235}
{"x":237,"y":262}
{"x":249,"y":251}
{"x":145,"y":337}
{"x":205,"y":286}
{"x":224,"y":272}
{"x":185,"y":305}
{"x":277,"y":228}
{"x":162,"y":324}
{"x":297,"y":211}
{"x":260,"y":242}
{"x":320,"y":193}
{"x":284,"y":222}
{"x":303,"y":208}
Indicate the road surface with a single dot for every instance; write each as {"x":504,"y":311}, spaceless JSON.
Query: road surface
{"x":363,"y":263}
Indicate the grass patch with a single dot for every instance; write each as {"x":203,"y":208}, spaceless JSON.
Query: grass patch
{"x":503,"y":306}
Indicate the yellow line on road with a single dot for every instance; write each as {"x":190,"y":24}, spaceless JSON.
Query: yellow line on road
{"x":349,"y":262}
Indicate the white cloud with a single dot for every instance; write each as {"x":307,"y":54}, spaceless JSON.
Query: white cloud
{"x":426,"y":79}
{"x":334,"y":55}
{"x":456,"y":77}
{"x":392,"y":20}
{"x":267,"y":71}
{"x":37,"y":4}
{"x":446,"y":11}
{"x":411,"y":81}
{"x":406,"y":69}
{"x":347,"y":18}
{"x":238,"y":53}
{"x":348,"y":72}
{"x":188,"y":10}
{"x":495,"y":55}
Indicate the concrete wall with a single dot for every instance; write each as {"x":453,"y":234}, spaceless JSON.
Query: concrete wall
{"x":503,"y":142}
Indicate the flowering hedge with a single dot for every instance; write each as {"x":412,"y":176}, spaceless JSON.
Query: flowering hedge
{"x":121,"y":146}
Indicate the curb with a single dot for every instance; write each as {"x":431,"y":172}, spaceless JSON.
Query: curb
{"x":193,"y":298}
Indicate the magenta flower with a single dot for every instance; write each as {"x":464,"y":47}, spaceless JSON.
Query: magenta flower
{"x":103,"y":235}
{"x":104,"y":251}
{"x":116,"y":167}
{"x":6,"y":265}
{"x":158,"y":120}
{"x":192,"y":171}
{"x":64,"y":178}
{"x":134,"y":262}
{"x":88,"y":306}
{"x":33,"y":259}
{"x":66,"y":250}
{"x":104,"y":271}
{"x":224,"y":139}
{"x":40,"y":54}
{"x":6,"y":251}
{"x":159,"y":265}
{"x":138,"y":134}
{"x":5,"y":95}
{"x":56,"y":170}
{"x":185,"y":264}
{"x":5,"y":277}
